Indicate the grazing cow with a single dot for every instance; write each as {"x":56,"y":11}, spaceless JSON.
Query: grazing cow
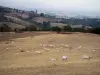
{"x":64,"y":57}
{"x":79,"y":47}
{"x":38,"y":52}
{"x":53,"y":59}
{"x":86,"y":57}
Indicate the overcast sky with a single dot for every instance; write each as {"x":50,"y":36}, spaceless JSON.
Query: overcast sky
{"x":79,"y":6}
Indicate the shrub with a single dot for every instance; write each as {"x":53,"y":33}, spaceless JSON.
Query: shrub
{"x":57,"y":29}
{"x":5,"y":28}
{"x":95,"y":30}
{"x":67,"y":28}
{"x":30,"y":28}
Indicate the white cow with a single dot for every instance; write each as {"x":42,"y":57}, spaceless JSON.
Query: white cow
{"x":86,"y":57}
{"x":64,"y":57}
{"x":38,"y":52}
{"x":79,"y":47}
{"x":53,"y":59}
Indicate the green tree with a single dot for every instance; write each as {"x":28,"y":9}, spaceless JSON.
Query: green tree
{"x":57,"y":29}
{"x":5,"y":28}
{"x":46,"y":26}
{"x":67,"y":28}
{"x":30,"y":28}
{"x":96,"y":30}
{"x":42,"y":14}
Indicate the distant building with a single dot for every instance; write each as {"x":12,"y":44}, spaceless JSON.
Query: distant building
{"x":56,"y":20}
{"x":61,"y":25}
{"x":81,"y":26}
{"x":36,"y":12}
{"x":88,"y":27}
{"x":76,"y":26}
{"x":40,"y":19}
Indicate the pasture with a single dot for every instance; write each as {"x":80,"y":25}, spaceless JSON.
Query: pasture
{"x":42,"y":54}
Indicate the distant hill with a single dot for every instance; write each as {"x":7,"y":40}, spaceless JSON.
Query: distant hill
{"x":15,"y":18}
{"x":93,"y":22}
{"x":22,"y":19}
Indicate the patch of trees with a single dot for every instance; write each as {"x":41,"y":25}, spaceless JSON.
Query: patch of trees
{"x":46,"y":26}
{"x":42,"y":14}
{"x":67,"y":28}
{"x":5,"y":10}
{"x":29,"y":28}
{"x":5,"y":28}
{"x":79,"y":30}
{"x":57,"y":29}
{"x":95,"y":30}
{"x":93,"y":22}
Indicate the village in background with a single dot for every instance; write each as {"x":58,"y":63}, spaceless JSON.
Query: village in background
{"x":15,"y":20}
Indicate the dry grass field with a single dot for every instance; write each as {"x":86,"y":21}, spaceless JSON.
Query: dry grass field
{"x":40,"y":53}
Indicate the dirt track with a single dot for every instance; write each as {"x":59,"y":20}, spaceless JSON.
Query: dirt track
{"x":28,"y":62}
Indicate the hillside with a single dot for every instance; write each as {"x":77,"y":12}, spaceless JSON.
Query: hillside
{"x":15,"y":18}
{"x":32,"y":20}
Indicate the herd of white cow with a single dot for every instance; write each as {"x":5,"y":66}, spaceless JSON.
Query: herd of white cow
{"x":64,"y":57}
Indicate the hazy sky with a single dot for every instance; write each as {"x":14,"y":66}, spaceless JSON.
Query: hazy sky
{"x":78,"y":6}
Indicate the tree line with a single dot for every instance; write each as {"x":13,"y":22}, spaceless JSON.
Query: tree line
{"x":6,"y":28}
